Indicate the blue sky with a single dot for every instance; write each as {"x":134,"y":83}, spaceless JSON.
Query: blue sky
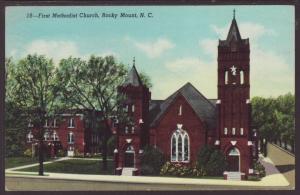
{"x":177,"y":45}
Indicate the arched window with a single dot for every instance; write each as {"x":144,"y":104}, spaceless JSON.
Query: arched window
{"x":180,"y":146}
{"x":242,"y":77}
{"x":226,"y":77}
{"x":29,"y":137}
{"x":71,"y":123}
{"x":46,"y":136}
{"x":71,"y":137}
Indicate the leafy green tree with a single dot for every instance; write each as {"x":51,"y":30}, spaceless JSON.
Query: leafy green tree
{"x":275,"y":118}
{"x":92,"y":86}
{"x":32,"y":88}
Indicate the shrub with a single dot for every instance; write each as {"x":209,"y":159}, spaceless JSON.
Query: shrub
{"x":61,"y":153}
{"x":28,"y":153}
{"x":259,"y":169}
{"x":152,"y":160}
{"x":78,"y":154}
{"x":181,"y":170}
{"x":211,"y":160}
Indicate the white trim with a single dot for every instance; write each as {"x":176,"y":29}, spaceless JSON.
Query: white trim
{"x":71,"y":123}
{"x":132,"y":108}
{"x":71,"y":114}
{"x":180,"y":110}
{"x":141,"y":121}
{"x":250,"y":143}
{"x":248,"y":101}
{"x":115,"y":150}
{"x":217,"y":142}
{"x":242,"y":131}
{"x":128,"y":140}
{"x":218,"y":102}
{"x":233,"y":143}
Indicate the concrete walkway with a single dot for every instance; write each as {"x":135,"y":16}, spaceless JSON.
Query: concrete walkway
{"x":273,"y":178}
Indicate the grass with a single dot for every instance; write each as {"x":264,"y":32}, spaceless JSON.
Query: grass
{"x":75,"y":166}
{"x":11,"y":162}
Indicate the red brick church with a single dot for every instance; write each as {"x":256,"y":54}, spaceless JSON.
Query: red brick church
{"x":185,"y":121}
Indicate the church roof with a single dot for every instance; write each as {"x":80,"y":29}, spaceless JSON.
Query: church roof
{"x":133,"y":78}
{"x":233,"y":34}
{"x":204,"y":108}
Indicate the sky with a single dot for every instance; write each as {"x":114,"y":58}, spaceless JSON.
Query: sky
{"x":178,"y":44}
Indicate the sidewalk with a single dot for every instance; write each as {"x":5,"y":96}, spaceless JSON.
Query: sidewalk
{"x":272,"y":179}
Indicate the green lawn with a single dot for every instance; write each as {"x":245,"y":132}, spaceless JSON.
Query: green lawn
{"x":76,"y":166}
{"x":11,"y":162}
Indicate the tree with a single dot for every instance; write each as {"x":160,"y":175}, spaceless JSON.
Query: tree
{"x":211,"y":160}
{"x":274,"y":117}
{"x":32,"y":88}
{"x":14,"y":125}
{"x":92,"y":86}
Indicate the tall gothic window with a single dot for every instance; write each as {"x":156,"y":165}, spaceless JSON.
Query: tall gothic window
{"x":180,"y":146}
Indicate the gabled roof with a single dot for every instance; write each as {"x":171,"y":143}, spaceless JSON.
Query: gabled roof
{"x":133,"y":78}
{"x":203,"y":108}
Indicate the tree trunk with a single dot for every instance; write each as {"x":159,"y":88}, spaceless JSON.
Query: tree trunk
{"x":285,"y":145}
{"x":280,"y":143}
{"x":104,"y":152}
{"x":104,"y":144}
{"x":41,"y":157}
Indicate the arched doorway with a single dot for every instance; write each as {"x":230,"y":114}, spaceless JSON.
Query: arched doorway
{"x":233,"y":159}
{"x":129,"y":157}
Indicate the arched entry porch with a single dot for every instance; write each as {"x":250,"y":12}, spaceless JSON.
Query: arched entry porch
{"x":234,"y":160}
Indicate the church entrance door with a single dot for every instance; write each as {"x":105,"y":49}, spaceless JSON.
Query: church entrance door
{"x":129,"y":157}
{"x":233,"y":160}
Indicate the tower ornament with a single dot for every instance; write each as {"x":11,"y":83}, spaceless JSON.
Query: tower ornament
{"x":233,"y":70}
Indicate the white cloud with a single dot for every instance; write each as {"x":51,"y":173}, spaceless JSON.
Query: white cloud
{"x":53,"y":49}
{"x":270,"y":74}
{"x":56,"y":50}
{"x":209,"y":47}
{"x":153,"y":49}
{"x":203,"y":75}
{"x":247,"y":29}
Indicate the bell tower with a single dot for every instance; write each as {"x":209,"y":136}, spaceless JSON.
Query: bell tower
{"x":233,"y":105}
{"x":132,"y":135}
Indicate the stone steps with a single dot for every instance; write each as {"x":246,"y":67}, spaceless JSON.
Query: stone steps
{"x":127,"y":171}
{"x":236,"y":176}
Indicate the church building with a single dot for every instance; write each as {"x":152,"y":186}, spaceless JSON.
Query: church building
{"x":186,"y":121}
